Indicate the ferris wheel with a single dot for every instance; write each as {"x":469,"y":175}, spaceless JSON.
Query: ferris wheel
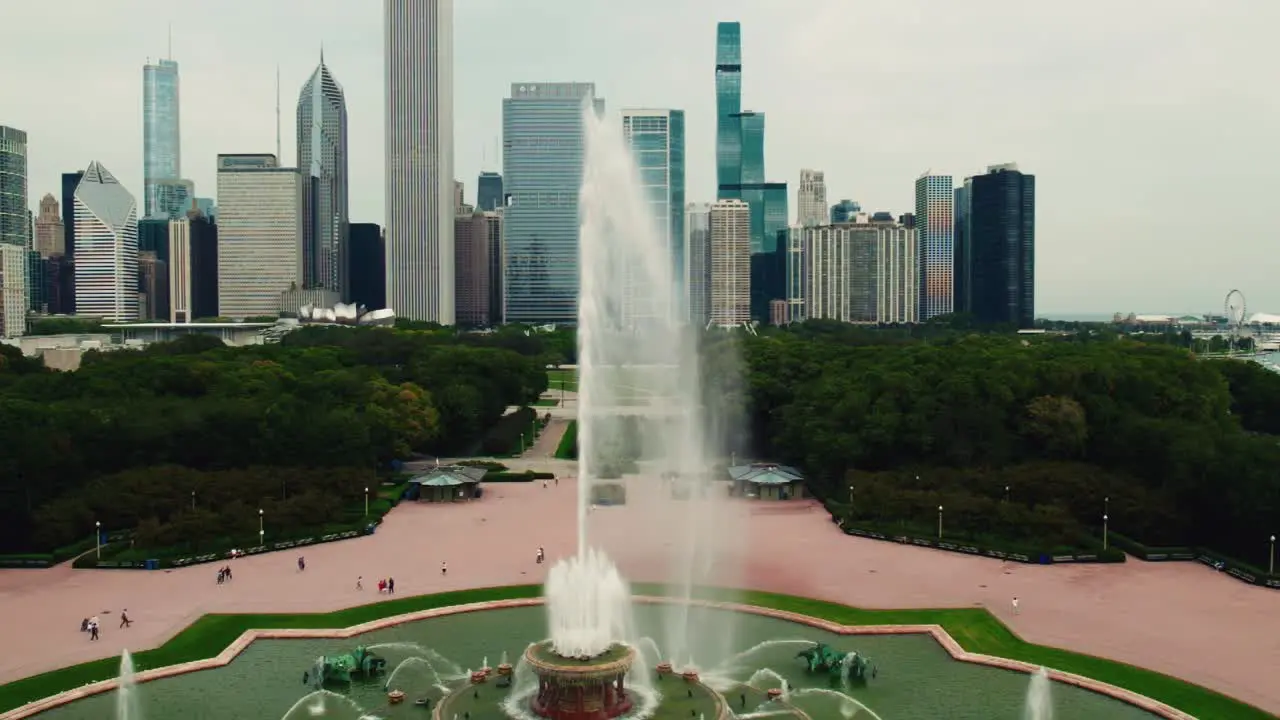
{"x":1233,"y":308}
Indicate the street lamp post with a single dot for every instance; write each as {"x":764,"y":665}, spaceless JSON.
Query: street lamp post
{"x":193,"y":500}
{"x":366,"y":502}
{"x":939,"y":522}
{"x":521,"y":443}
{"x":1271,"y":566}
{"x":1105,"y":534}
{"x":1006,"y":493}
{"x":97,"y":539}
{"x":260,"y":528}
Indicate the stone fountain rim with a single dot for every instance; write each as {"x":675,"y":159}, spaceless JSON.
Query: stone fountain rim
{"x":939,"y":634}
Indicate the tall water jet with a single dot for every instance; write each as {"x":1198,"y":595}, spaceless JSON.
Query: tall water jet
{"x":127,"y":690}
{"x":641,"y":402}
{"x":1039,"y":703}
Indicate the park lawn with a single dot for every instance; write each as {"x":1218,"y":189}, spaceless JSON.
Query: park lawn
{"x":566,"y":380}
{"x":546,"y":402}
{"x":975,"y":629}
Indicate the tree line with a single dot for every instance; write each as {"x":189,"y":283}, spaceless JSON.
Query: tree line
{"x":355,"y":398}
{"x":1175,"y":450}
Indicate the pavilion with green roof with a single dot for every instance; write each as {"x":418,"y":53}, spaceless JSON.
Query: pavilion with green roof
{"x":767,"y":481}
{"x":447,"y":483}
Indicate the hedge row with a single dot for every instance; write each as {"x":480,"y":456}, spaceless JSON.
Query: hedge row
{"x":568,"y":447}
{"x":1240,"y":570}
{"x":503,"y":476}
{"x":60,"y":555}
{"x":989,"y":548}
{"x":119,"y":556}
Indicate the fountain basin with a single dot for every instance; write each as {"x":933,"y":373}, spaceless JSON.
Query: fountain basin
{"x":581,"y":688}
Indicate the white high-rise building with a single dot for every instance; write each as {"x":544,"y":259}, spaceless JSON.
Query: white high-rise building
{"x":697,"y":230}
{"x":259,"y":234}
{"x":859,"y":272}
{"x":811,"y":198}
{"x":106,"y":232}
{"x":418,"y":46}
{"x":180,"y":270}
{"x":13,"y":290}
{"x":730,"y":263}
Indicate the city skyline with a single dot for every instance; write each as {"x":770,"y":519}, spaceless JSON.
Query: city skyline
{"x":1051,"y":82}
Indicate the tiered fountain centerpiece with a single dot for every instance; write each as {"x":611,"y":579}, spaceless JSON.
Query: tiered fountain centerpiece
{"x":583,"y":687}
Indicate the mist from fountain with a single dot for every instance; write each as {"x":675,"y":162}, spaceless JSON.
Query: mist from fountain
{"x":850,"y":706}
{"x":127,"y":690}
{"x":640,"y":394}
{"x":1039,"y":703}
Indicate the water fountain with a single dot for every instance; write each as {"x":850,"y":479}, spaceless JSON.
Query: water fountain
{"x":126,"y":691}
{"x":1039,"y":704}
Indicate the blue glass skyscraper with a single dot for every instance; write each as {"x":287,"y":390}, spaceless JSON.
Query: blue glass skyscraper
{"x":728,"y":105}
{"x":161,"y":137}
{"x":489,"y":191}
{"x":656,"y":139}
{"x":543,"y":149}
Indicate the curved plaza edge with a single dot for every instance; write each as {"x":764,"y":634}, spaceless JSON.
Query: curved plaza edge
{"x":943,"y":638}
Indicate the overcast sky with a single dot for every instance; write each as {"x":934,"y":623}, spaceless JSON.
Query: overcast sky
{"x":1151,"y":125}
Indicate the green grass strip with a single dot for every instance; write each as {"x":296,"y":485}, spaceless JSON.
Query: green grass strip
{"x":975,"y":629}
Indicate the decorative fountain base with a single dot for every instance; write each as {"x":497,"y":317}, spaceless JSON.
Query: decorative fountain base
{"x":580,"y":688}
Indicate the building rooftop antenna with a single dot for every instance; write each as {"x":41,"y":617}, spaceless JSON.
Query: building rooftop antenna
{"x":169,"y":50}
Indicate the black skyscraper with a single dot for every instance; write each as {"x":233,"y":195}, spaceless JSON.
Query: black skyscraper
{"x":70,"y":181}
{"x":368,"y":272}
{"x":489,"y":192}
{"x":204,"y":268}
{"x":1001,"y":240}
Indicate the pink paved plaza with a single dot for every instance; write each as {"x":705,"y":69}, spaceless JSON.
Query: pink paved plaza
{"x":1182,"y":619}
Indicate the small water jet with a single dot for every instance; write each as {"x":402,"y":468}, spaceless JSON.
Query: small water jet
{"x":127,"y":690}
{"x":1039,"y":703}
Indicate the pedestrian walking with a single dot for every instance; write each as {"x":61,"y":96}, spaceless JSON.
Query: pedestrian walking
{"x":124,"y":618}
{"x":1015,"y":604}
{"x":444,"y":568}
{"x":360,"y":583}
{"x":391,"y":586}
{"x":93,"y":628}
{"x":302,"y":563}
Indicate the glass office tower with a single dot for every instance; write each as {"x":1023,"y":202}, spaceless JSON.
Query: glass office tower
{"x":543,"y":151}
{"x":656,"y":139}
{"x":935,"y":223}
{"x":728,"y":105}
{"x":161,"y":138}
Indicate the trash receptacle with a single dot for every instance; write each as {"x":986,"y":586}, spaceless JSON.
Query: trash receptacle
{"x":152,"y":565}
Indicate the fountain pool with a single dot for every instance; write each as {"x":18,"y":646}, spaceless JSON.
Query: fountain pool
{"x":918,"y":680}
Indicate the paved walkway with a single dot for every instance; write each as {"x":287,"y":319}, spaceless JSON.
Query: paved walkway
{"x":1179,"y":618}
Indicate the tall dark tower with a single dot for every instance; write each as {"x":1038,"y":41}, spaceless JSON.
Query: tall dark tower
{"x":1001,"y":238}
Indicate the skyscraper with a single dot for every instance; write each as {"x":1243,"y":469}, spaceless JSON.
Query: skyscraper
{"x":473,"y":232}
{"x":106,"y":261}
{"x":698,"y":244}
{"x":962,"y":302}
{"x":811,"y":198}
{"x":935,"y":223}
{"x":862,"y":272}
{"x":730,"y":264}
{"x":1001,"y":237}
{"x":489,"y":191}
{"x":193,"y":268}
{"x":844,"y":211}
{"x":161,"y":133}
{"x":418,"y":42}
{"x":259,"y":235}
{"x":656,"y":140}
{"x":728,"y":105}
{"x":322,"y":163}
{"x":368,"y":266}
{"x":13,"y":187}
{"x":13,"y":290}
{"x":543,"y":151}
